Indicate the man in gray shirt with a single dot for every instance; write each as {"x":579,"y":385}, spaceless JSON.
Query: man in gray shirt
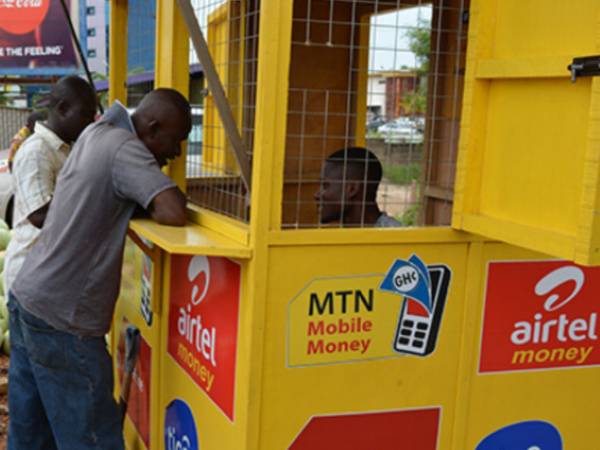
{"x":63,"y":299}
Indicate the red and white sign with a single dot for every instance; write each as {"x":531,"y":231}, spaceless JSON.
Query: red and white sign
{"x":22,"y":16}
{"x":203,"y":323}
{"x":540,"y":315}
{"x":403,"y":429}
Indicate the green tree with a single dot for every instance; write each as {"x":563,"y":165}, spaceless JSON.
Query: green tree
{"x":419,"y":42}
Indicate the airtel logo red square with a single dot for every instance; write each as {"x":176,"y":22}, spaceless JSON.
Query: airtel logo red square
{"x":539,"y":315}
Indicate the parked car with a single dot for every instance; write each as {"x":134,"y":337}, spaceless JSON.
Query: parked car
{"x":194,"y":141}
{"x":374,"y":123}
{"x":401,"y":133}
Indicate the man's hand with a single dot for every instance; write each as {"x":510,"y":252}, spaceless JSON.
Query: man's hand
{"x":169,"y":207}
{"x":38,"y":217}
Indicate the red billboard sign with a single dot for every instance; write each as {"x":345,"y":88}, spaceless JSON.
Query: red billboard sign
{"x":34,"y":34}
{"x":203,"y":323}
{"x":539,"y":315}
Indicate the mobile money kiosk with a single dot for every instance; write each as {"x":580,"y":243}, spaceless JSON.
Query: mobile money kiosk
{"x":475,"y":326}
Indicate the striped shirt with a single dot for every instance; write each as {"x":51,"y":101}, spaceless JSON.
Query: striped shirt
{"x":35,"y":168}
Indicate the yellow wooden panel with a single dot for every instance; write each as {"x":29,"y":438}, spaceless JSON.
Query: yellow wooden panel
{"x":534,"y":152}
{"x":370,"y":385}
{"x":566,"y":397}
{"x":553,"y":66}
{"x":545,"y":28}
{"x":190,"y":239}
{"x":528,"y":170}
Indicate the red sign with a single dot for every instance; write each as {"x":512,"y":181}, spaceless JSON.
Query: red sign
{"x":203,"y":323}
{"x":539,"y":315}
{"x":138,"y":404}
{"x":404,"y":429}
{"x":22,"y":16}
{"x":34,"y":35}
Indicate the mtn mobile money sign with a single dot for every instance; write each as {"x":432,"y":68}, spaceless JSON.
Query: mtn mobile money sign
{"x":203,"y":323}
{"x":539,"y":315}
{"x":346,"y":319}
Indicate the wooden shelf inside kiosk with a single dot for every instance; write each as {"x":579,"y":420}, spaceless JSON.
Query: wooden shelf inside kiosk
{"x":190,"y":239}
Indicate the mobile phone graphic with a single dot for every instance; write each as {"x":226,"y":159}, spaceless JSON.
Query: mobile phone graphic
{"x":417,"y":328}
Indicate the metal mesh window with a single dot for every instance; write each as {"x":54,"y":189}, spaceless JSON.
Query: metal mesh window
{"x":385,"y":75}
{"x":231,"y":31}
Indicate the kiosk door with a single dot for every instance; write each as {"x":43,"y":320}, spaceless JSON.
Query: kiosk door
{"x":528,"y":168}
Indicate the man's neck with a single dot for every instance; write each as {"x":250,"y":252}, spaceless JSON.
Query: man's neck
{"x":360,"y":217}
{"x":57,"y":131}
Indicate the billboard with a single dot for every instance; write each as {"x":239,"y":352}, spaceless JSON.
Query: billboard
{"x":35,"y":38}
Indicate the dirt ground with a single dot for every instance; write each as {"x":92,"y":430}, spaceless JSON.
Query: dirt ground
{"x":394,"y":198}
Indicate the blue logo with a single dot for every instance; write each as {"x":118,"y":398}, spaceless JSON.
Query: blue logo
{"x":180,"y":427}
{"x":529,"y":435}
{"x":409,"y":278}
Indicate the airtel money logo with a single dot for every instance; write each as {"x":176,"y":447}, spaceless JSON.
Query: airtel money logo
{"x":199,"y":274}
{"x":548,"y":321}
{"x":22,"y":16}
{"x":190,"y":324}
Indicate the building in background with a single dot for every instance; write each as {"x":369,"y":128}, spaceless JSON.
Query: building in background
{"x":390,"y":94}
{"x":96,"y":36}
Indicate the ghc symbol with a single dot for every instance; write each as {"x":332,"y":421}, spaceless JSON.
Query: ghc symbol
{"x":177,"y":444}
{"x":406,"y":278}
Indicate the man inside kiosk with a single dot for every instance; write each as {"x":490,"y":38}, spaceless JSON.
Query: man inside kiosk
{"x":62,"y":301}
{"x":348,"y":190}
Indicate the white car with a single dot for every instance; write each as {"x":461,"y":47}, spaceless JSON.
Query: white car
{"x":395,"y":132}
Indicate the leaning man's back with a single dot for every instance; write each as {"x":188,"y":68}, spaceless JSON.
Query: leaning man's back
{"x":81,"y":248}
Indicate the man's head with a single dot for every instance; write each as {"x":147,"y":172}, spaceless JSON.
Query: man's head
{"x":33,"y":118}
{"x":349,"y":181}
{"x":72,"y":107}
{"x":162,"y":121}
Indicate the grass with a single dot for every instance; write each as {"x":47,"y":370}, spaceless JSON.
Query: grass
{"x":402,"y":174}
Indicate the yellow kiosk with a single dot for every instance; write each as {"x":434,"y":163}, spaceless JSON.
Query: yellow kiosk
{"x":475,"y":329}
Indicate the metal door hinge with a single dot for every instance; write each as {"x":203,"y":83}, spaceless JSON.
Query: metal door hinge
{"x":587,"y":66}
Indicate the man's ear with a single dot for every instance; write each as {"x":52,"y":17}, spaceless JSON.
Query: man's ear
{"x":62,"y":107}
{"x":353,"y":189}
{"x":153,"y":127}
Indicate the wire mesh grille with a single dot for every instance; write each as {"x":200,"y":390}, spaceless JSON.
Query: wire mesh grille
{"x":231,"y":31}
{"x":386,"y":75}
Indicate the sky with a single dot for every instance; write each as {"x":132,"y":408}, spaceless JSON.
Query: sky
{"x":389,"y":46}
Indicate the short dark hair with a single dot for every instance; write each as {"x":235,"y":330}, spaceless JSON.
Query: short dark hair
{"x":360,"y":164}
{"x":69,"y":88}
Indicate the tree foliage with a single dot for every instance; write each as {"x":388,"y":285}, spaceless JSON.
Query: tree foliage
{"x":419,"y":42}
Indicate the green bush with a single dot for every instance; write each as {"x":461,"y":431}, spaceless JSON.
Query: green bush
{"x":402,"y":174}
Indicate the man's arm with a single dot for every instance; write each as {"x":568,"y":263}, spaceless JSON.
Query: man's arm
{"x":169,"y":207}
{"x":38,"y":217}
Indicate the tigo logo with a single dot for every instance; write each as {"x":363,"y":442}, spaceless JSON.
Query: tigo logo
{"x":180,"y":427}
{"x":529,"y":435}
